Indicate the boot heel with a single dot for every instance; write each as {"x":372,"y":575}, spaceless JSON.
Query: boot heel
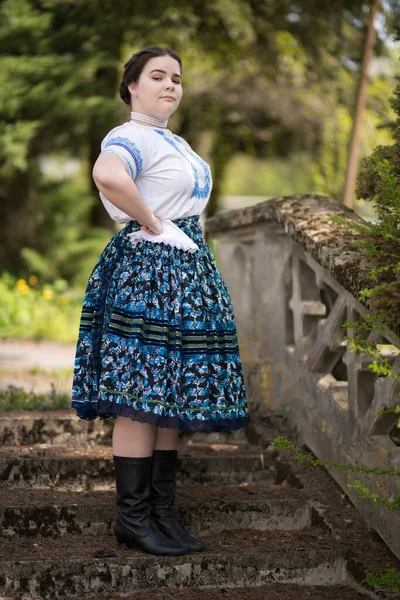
{"x":127,"y":545}
{"x":163,"y":490}
{"x":121,"y":542}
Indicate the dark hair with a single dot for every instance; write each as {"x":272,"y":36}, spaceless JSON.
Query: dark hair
{"x":134,"y":67}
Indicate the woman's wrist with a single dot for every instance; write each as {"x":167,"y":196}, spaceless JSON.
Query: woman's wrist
{"x":154,"y":224}
{"x":154,"y":221}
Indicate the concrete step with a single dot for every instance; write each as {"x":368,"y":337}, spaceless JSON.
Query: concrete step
{"x":23,"y":514}
{"x":92,"y":468}
{"x":272,"y":591}
{"x":62,"y":427}
{"x":76,"y":565}
{"x":59,"y":427}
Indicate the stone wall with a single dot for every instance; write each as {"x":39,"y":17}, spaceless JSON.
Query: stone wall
{"x":294,"y":277}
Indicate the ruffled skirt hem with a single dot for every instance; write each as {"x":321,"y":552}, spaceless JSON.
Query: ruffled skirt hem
{"x":88,"y":412}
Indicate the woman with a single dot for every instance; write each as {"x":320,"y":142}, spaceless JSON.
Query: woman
{"x":157,"y":348}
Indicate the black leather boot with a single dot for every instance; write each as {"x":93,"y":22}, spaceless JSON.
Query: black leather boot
{"x":133,"y":526}
{"x":163,"y":490}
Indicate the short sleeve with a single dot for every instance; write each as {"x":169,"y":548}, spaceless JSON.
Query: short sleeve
{"x":128,"y":145}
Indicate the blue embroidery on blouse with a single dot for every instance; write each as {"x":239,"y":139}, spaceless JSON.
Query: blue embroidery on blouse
{"x":198,"y":192}
{"x":129,"y":147}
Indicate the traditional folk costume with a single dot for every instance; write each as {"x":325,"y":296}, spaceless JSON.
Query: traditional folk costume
{"x":157,"y":339}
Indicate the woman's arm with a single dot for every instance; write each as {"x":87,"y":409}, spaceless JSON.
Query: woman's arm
{"x":112,"y":179}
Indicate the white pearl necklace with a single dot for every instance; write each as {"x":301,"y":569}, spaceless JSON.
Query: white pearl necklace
{"x":146,"y":119}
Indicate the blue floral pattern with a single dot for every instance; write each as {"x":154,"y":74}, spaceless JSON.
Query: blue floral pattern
{"x":157,"y":339}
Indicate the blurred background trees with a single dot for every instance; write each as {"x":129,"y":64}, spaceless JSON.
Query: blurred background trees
{"x":269,"y":94}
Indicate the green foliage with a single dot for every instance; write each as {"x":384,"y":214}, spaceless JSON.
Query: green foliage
{"x":284,"y":444}
{"x":364,"y":492}
{"x":16,"y":399}
{"x":328,"y":171}
{"x":379,"y":182}
{"x":59,"y":85}
{"x":69,"y":248}
{"x":14,"y":144}
{"x":388,"y":410}
{"x":274,"y":177}
{"x":381,"y":241}
{"x":31,"y":311}
{"x":382,"y":365}
{"x":390,"y":580}
{"x":386,"y":195}
{"x":318,"y":168}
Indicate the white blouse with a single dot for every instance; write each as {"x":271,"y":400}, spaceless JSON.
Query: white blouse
{"x":173,"y":180}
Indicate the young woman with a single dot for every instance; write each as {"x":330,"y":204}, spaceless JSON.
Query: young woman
{"x":157,"y":349}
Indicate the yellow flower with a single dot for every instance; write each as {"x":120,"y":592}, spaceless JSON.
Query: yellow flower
{"x":22,"y":286}
{"x":48,"y":294}
{"x":33,"y":279}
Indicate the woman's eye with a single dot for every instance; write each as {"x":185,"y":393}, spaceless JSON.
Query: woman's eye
{"x":177,"y":82}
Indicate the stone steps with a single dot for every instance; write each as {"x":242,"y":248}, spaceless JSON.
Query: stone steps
{"x":73,"y":566}
{"x":91,"y":468}
{"x":277,"y":591}
{"x":267,"y":523}
{"x":61,"y":427}
{"x":75,"y":514}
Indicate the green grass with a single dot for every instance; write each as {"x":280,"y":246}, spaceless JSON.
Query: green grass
{"x":60,"y":372}
{"x":36,"y":370}
{"x":15,"y":399}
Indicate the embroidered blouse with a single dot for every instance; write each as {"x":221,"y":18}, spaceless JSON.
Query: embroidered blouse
{"x":173,"y":180}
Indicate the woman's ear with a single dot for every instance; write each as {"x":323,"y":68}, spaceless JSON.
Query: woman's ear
{"x":132,"y":87}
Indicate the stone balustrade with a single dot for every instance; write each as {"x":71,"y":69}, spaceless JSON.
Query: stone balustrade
{"x":294,"y":277}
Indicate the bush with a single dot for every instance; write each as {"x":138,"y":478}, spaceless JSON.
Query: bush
{"x":29,"y":310}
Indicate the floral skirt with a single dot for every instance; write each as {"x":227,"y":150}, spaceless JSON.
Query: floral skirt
{"x":157,"y":339}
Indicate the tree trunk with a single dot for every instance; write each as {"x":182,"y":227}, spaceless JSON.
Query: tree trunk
{"x":354,"y":151}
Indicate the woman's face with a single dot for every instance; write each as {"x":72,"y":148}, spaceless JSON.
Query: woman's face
{"x":160,"y":78}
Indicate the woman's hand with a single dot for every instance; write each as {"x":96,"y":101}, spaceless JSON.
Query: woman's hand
{"x":155,"y":228}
